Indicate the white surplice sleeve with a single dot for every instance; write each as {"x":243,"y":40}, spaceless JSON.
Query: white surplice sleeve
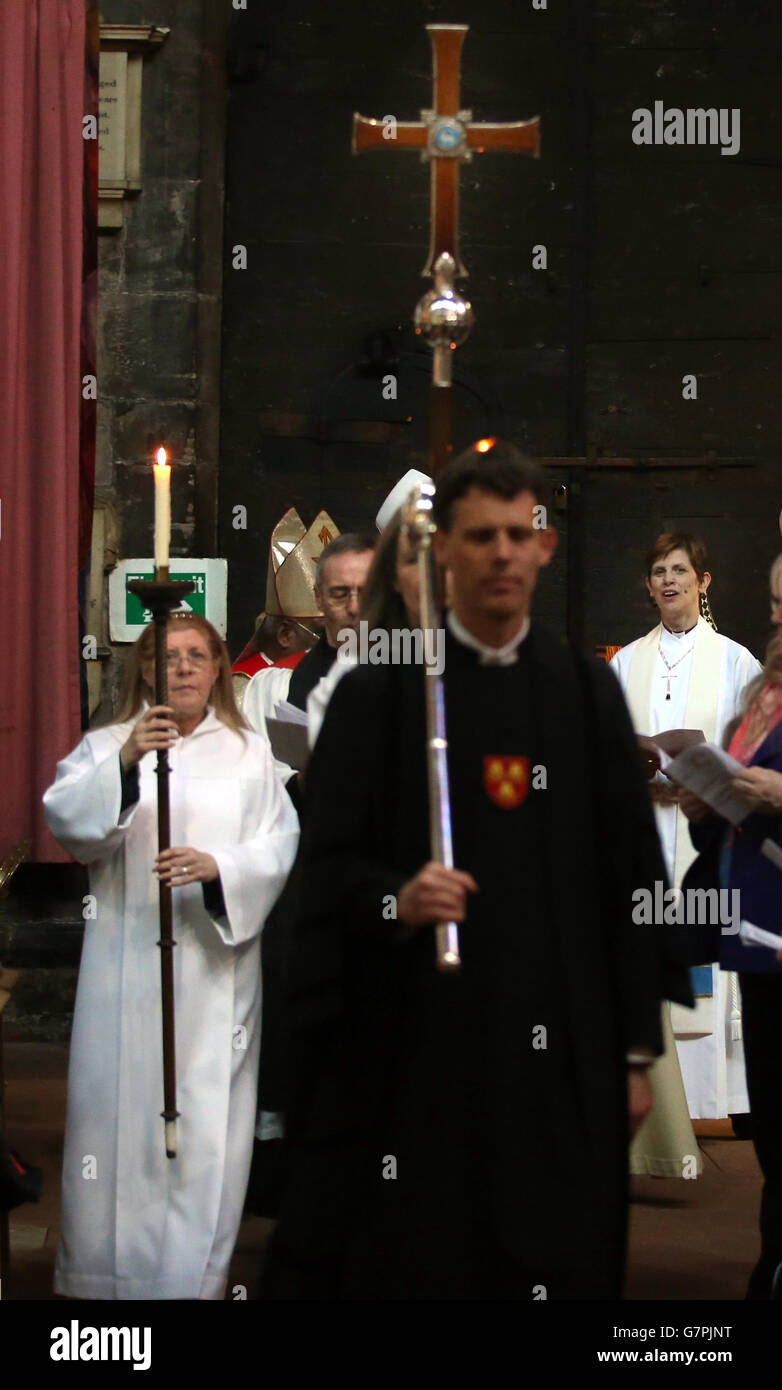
{"x":620,"y":664}
{"x":82,"y":806}
{"x":747,"y":668}
{"x":739,"y":668}
{"x":265,"y":690}
{"x":253,"y":872}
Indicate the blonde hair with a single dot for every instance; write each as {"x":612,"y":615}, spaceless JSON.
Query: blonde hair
{"x":135,"y":689}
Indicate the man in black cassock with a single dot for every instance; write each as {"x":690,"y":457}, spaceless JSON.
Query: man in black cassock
{"x":464,"y":1135}
{"x":339,"y":578}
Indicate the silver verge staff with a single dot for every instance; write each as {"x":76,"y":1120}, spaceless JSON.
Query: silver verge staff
{"x":420,"y":527}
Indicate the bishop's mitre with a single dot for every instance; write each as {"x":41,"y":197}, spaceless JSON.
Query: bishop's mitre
{"x":293,"y":553}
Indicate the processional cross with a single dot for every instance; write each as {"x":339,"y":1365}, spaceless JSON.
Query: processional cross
{"x":445,"y":136}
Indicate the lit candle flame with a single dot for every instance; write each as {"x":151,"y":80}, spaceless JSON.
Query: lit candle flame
{"x":484,"y":445}
{"x":161,"y":457}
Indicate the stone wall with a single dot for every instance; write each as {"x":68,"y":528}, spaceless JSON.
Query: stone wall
{"x":160,"y":279}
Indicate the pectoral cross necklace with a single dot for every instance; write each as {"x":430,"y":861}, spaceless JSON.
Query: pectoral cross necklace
{"x":669,"y":665}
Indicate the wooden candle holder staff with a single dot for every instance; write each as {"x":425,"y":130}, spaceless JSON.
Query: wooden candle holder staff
{"x":161,"y":596}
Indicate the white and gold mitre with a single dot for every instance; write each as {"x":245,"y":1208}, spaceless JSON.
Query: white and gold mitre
{"x":293,"y":553}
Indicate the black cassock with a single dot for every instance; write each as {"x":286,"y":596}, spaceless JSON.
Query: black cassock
{"x":465,"y":1135}
{"x":314,"y":665}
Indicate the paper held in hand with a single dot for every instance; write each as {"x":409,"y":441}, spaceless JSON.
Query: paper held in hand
{"x":750,"y":935}
{"x":708,"y":771}
{"x":670,"y":743}
{"x":288,"y":735}
{"x":676,"y":741}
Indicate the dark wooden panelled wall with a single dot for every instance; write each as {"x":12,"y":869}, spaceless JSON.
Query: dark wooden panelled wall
{"x":640,"y":356}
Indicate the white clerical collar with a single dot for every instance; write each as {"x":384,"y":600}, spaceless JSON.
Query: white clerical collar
{"x":211,"y":720}
{"x":678,"y":636}
{"x":489,"y":656}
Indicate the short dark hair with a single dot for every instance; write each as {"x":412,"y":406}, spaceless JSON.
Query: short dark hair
{"x":679,"y":540}
{"x":348,"y":542}
{"x":493,"y":465}
{"x":269,"y":626}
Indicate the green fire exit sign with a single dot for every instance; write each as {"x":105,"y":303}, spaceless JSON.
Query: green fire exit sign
{"x":136,"y":614}
{"x":128,"y":616}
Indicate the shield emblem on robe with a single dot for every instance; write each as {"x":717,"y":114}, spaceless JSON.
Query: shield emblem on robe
{"x":506,"y":780}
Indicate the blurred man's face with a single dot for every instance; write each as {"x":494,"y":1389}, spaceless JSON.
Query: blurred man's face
{"x":339,"y":596}
{"x":493,"y":553}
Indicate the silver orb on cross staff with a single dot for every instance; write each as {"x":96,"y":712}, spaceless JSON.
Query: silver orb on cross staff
{"x":443,"y":319}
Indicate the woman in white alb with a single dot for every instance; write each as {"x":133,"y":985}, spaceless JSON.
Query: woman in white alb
{"x":136,"y":1224}
{"x":685,"y":675}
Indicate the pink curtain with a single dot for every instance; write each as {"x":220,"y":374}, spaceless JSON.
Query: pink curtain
{"x":42,"y":45}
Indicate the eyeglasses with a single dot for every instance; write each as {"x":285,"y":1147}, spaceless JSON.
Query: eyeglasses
{"x":340,"y":594}
{"x":193,"y":657}
{"x":310,"y":631}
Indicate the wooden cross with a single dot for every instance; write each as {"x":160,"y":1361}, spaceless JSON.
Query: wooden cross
{"x":445,"y":136}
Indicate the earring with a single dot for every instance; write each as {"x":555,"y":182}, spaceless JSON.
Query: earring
{"x":706,"y":612}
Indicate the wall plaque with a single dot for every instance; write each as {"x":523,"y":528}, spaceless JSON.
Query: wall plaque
{"x":122,"y":49}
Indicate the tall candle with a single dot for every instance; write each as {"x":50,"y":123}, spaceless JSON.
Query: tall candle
{"x":162,"y":471}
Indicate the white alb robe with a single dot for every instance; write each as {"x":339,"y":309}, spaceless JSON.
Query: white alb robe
{"x":261,"y":697}
{"x":712,"y":1066}
{"x":135,"y":1224}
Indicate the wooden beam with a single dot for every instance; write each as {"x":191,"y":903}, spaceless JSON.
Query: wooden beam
{"x":285,"y":424}
{"x":643,"y":465}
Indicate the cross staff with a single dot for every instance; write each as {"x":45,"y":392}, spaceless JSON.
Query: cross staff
{"x":445,"y":135}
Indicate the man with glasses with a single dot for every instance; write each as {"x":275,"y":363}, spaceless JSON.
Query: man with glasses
{"x":339,"y":580}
